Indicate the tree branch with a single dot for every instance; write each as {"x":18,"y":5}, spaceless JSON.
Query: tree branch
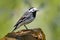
{"x":30,"y":34}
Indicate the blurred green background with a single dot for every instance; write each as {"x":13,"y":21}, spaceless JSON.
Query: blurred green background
{"x":48,"y":18}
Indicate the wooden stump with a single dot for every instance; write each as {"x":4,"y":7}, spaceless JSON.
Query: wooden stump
{"x":30,"y":34}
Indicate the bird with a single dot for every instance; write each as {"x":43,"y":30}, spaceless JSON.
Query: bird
{"x":27,"y":18}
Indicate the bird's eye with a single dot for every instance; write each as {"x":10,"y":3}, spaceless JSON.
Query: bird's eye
{"x":30,"y":8}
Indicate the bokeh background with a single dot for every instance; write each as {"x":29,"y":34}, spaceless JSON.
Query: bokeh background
{"x":48,"y":18}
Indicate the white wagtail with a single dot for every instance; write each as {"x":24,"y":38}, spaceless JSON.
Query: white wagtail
{"x":27,"y":18}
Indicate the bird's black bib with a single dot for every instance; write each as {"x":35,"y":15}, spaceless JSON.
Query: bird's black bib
{"x":34,"y":14}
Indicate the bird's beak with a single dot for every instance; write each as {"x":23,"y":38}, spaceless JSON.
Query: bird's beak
{"x":37,"y":10}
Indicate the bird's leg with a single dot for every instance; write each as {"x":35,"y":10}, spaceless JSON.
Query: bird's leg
{"x":25,"y":27}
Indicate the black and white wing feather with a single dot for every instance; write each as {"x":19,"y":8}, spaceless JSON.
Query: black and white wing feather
{"x":25,"y":17}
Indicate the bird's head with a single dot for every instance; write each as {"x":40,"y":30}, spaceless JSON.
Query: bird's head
{"x":32,"y":9}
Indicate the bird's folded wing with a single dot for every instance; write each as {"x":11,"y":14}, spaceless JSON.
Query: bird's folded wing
{"x":23,"y":18}
{"x":19,"y":21}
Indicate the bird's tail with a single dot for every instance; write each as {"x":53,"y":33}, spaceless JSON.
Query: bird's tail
{"x":16,"y":26}
{"x":14,"y":29}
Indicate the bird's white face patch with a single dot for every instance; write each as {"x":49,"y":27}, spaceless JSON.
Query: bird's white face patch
{"x":33,"y":9}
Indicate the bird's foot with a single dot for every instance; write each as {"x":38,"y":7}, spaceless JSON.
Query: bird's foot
{"x":26,"y":27}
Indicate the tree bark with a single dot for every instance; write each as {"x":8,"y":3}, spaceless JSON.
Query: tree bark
{"x":30,"y":34}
